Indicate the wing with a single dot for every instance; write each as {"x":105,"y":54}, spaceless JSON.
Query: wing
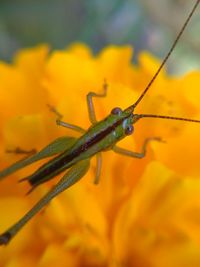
{"x":57,"y":146}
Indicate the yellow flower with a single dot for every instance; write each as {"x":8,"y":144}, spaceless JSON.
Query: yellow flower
{"x":144,"y":212}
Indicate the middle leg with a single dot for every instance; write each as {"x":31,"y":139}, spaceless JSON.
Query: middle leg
{"x":98,"y":169}
{"x":65,"y":124}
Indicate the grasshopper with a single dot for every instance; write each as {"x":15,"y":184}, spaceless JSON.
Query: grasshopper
{"x":75,"y":153}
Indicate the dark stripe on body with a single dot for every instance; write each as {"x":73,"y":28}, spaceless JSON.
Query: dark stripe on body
{"x":55,"y":167}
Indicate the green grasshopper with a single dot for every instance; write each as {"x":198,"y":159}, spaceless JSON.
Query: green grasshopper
{"x":75,"y":154}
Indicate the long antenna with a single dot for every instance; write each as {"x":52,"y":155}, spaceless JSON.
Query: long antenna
{"x":166,"y":57}
{"x":139,"y":116}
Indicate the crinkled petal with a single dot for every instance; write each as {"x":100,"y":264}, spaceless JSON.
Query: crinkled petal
{"x":152,"y":228}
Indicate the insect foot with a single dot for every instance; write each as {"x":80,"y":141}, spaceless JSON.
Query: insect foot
{"x":5,"y":238}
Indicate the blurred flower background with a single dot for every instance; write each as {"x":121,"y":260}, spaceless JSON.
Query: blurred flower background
{"x":144,"y":214}
{"x":151,"y":25}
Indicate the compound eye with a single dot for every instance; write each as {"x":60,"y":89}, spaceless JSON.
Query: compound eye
{"x":129,"y":130}
{"x":116,"y":111}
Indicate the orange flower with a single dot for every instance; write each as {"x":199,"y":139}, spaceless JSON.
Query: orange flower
{"x":144,"y":212}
